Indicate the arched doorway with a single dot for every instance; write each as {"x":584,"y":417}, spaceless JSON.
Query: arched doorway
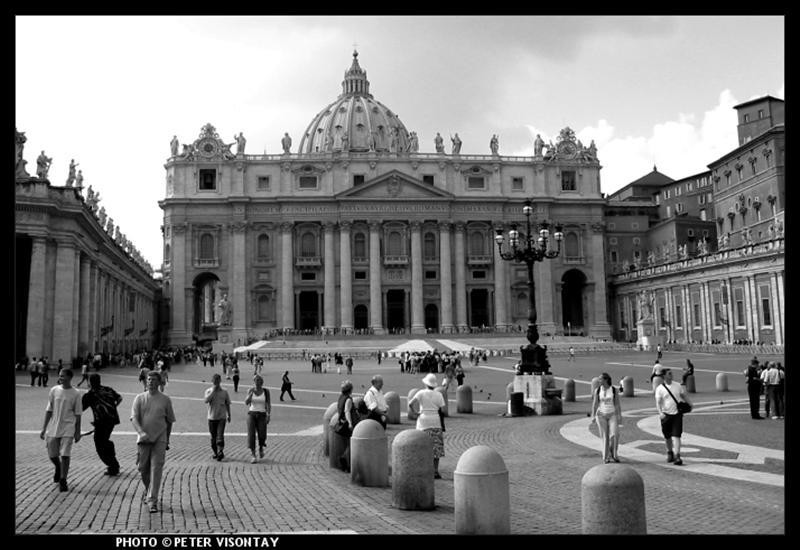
{"x":395,"y":309}
{"x":360,"y":317}
{"x":479,"y":307}
{"x":573,"y":284}
{"x":309,"y":309}
{"x":205,"y":297}
{"x":432,"y":318}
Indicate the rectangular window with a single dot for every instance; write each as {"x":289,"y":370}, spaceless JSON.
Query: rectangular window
{"x":746,"y":117}
{"x":669,"y":211}
{"x":358,"y":179}
{"x":761,"y":113}
{"x":614,"y":257}
{"x":662,"y":313}
{"x":678,"y":322}
{"x":701,"y":199}
{"x":689,"y":185}
{"x":568,"y":180}
{"x":308,"y":182}
{"x":666,"y":193}
{"x":612,"y":226}
{"x":208,"y":179}
{"x":516,"y":184}
{"x":703,"y":215}
{"x":427,"y":179}
{"x":263,"y":183}
{"x":709,"y":198}
{"x":766,"y":310}
{"x":717,"y":309}
{"x":753,"y":166}
{"x":360,"y":275}
{"x":690,"y":232}
{"x":308,"y":276}
{"x":738,"y":295}
{"x":430,"y":275}
{"x":474,"y":182}
{"x":658,"y":198}
{"x":478,"y":274}
{"x":728,"y":178}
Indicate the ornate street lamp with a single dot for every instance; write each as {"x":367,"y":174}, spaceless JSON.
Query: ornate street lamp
{"x":533,"y":249}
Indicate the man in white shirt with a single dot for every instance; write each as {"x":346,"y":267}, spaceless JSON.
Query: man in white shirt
{"x":376,"y":402}
{"x":772,"y":380}
{"x":671,"y":419}
{"x":62,"y":425}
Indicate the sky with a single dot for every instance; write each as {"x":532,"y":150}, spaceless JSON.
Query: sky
{"x":110,"y":92}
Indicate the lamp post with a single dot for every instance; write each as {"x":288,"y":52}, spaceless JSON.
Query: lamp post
{"x":530,"y":251}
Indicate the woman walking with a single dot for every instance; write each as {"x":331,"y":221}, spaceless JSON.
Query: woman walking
{"x":258,"y":415}
{"x":286,"y":386}
{"x":346,"y":410}
{"x":235,"y":372}
{"x":606,"y":411}
{"x":430,"y":404}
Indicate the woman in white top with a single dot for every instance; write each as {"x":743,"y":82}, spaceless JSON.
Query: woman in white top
{"x":429,"y":403}
{"x":257,"y":416}
{"x":606,"y":411}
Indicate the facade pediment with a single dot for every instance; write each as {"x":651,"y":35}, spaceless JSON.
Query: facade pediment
{"x":394,"y":185}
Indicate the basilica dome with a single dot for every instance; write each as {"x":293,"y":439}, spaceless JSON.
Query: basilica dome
{"x":355,"y":121}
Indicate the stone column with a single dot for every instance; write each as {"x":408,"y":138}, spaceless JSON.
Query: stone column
{"x":330,"y":277}
{"x":100,"y":315}
{"x":417,"y":311}
{"x":601,"y":329}
{"x":753,"y":306}
{"x":85,"y":307}
{"x":461,"y":278}
{"x":730,"y":310}
{"x":545,"y":296}
{"x":777,"y":309}
{"x":177,"y":297}
{"x":375,"y":300}
{"x":707,"y":312}
{"x":346,"y":278}
{"x":93,"y":307}
{"x":287,"y":276}
{"x":687,"y":314}
{"x":76,"y":304}
{"x":670,"y":315}
{"x":500,"y":289}
{"x":445,"y":278}
{"x":239,"y":291}
{"x":63,"y":318}
{"x":34,"y":332}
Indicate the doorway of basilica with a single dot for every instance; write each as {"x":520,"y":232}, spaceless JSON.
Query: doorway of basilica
{"x":479,"y":308}
{"x":308,"y":306}
{"x":432,"y":318}
{"x":395,"y":309}
{"x":573,"y":285}
{"x":360,"y":317}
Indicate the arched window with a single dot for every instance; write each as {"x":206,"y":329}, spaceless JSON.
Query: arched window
{"x":308,"y":245}
{"x":359,"y":246}
{"x":522,"y":304}
{"x":429,"y":246}
{"x":263,"y":307}
{"x":571,"y":246}
{"x":263,"y":246}
{"x":206,"y":246}
{"x":476,"y":243}
{"x":395,"y":245}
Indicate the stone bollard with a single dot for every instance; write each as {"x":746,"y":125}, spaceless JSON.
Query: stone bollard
{"x":569,"y":390}
{"x":326,"y":420}
{"x":393,"y":407}
{"x":690,"y":384}
{"x":657,"y":381}
{"x":612,"y":501}
{"x":369,"y":455}
{"x":412,"y":414}
{"x":595,"y":384}
{"x":412,"y":471}
{"x":482,"y":498}
{"x":336,"y":443}
{"x":441,"y":390}
{"x":627,"y":386}
{"x":509,"y":391}
{"x":464,"y":399}
{"x":722,"y":381}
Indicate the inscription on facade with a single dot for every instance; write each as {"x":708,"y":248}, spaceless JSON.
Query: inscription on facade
{"x":394,"y":208}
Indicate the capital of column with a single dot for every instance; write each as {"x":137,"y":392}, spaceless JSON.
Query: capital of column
{"x":445,"y":226}
{"x":345,"y":225}
{"x":328,"y":227}
{"x":287,"y":227}
{"x":179,"y":228}
{"x":238,"y":227}
{"x":375,"y":225}
{"x":460,"y":227}
{"x":416,"y":226}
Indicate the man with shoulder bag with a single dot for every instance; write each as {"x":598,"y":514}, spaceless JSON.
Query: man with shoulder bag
{"x":672,"y":403}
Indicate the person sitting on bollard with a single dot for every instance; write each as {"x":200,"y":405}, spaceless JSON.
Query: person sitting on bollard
{"x":607,"y":412}
{"x":430,"y":420}
{"x":688,"y":371}
{"x":347,"y":421}
{"x":376,"y":402}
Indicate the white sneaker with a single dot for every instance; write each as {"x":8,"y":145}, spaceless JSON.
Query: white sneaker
{"x":253,"y":460}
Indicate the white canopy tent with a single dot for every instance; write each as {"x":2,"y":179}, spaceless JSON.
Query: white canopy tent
{"x":411,"y":346}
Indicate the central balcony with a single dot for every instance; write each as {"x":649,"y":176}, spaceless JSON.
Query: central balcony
{"x":480,"y":259}
{"x":401,"y":259}
{"x":308,"y":261}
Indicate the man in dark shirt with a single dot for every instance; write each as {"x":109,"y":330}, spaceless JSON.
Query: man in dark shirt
{"x":103,"y":401}
{"x":753,"y":379}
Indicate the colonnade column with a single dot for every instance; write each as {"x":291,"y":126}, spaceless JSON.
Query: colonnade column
{"x":177,"y":330}
{"x":729,"y":311}
{"x":417,"y":311}
{"x":500,"y":289}
{"x":600,"y":329}
{"x":239,"y":292}
{"x":287,"y":276}
{"x":375,"y":301}
{"x":93,"y":307}
{"x":777,"y":318}
{"x":85,"y":307}
{"x":346,"y":277}
{"x":330,"y":277}
{"x":63,"y":327}
{"x":461,"y":278}
{"x":544,"y":298}
{"x":687,"y":315}
{"x":34,"y":332}
{"x":753,"y":306}
{"x":76,"y":304}
{"x":705,"y":301}
{"x":445,"y":278}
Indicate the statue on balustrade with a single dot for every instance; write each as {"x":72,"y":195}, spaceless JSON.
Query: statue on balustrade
{"x":173,"y":146}
{"x":71,"y":174}
{"x":240,"y":143}
{"x":413,"y":143}
{"x":286,"y":143}
{"x":43,"y":163}
{"x":101,"y":216}
{"x":494,"y":145}
{"x":224,"y":311}
{"x":538,"y":145}
{"x":646,"y":304}
{"x":439,"y":143}
{"x":456,"y":144}
{"x":21,"y":162}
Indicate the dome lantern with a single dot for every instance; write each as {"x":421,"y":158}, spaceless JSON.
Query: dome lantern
{"x":355,"y":79}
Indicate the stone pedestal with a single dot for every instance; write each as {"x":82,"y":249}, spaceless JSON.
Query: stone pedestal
{"x":646,"y":329}
{"x":225,"y":340}
{"x":540,"y":393}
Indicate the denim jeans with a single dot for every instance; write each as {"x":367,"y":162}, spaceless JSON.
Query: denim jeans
{"x":256,"y":424}
{"x":216,"y":428}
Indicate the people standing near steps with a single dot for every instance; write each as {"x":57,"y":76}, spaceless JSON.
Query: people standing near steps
{"x":430,"y":404}
{"x":33,"y":370}
{"x":258,"y":413}
{"x":667,"y":395}
{"x":607,"y":413}
{"x":286,"y":386}
{"x":219,"y":412}
{"x":376,"y":402}
{"x":104,"y":402}
{"x":152,"y":418}
{"x":752,"y":378}
{"x":62,"y":425}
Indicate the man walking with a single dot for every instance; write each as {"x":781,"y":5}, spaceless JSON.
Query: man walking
{"x":219,"y":412}
{"x":62,"y":425}
{"x":772,"y":378}
{"x":152,"y":417}
{"x":84,"y":374}
{"x":753,"y":379}
{"x":667,"y":396}
{"x":376,"y":402}
{"x":349,"y":364}
{"x":104,"y":402}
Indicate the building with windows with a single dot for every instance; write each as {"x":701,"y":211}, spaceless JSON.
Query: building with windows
{"x":360,"y":231}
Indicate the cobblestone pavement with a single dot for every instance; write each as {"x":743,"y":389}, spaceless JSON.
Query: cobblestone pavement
{"x":294,"y":490}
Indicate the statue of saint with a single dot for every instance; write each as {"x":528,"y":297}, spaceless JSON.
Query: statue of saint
{"x":43,"y":166}
{"x":240,"y":143}
{"x":20,"y":162}
{"x":592,"y":151}
{"x":110,"y":226}
{"x":173,"y":146}
{"x":117,"y":235}
{"x":71,"y":174}
{"x":439,"y":143}
{"x":224,"y":311}
{"x":413,"y":143}
{"x":551,"y":149}
{"x":456,"y":144}
{"x":538,"y":145}
{"x":494,"y":144}
{"x":101,"y":216}
{"x":645,"y":305}
{"x":345,"y":141}
{"x":79,"y":180}
{"x":702,"y":247}
{"x":286,"y":143}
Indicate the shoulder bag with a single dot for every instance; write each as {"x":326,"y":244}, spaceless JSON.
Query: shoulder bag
{"x":683,"y":406}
